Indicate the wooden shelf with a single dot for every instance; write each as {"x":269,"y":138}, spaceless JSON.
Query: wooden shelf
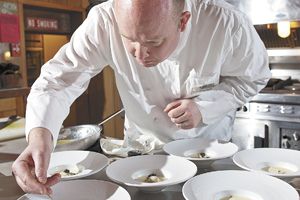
{"x":34,"y":49}
{"x":14,"y":92}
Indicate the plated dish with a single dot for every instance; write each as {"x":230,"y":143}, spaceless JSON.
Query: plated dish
{"x":76,"y":164}
{"x":237,"y":185}
{"x":151,"y":172}
{"x":142,"y":145}
{"x":281,"y":163}
{"x":83,"y":189}
{"x":201,"y":151}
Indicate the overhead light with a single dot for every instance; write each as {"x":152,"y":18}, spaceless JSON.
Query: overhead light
{"x":7,"y":55}
{"x":284,"y":29}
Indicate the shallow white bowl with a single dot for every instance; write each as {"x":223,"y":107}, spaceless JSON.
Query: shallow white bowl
{"x":184,"y":148}
{"x":83,"y":189}
{"x":221,"y":184}
{"x":259,"y":158}
{"x":128,"y":170}
{"x":89,"y":162}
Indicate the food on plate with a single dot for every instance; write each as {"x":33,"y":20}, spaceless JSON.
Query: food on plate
{"x":134,"y":153}
{"x":71,"y":171}
{"x":199,"y":155}
{"x":233,"y":197}
{"x":276,"y":170}
{"x":152,"y":178}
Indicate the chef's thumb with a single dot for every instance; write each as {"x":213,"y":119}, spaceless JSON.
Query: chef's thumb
{"x":41,"y":162}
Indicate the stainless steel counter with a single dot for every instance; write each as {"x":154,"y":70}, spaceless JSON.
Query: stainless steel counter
{"x":9,"y":189}
{"x":279,"y":97}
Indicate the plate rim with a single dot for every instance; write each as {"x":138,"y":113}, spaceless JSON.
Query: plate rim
{"x":234,"y":159}
{"x":87,"y":180}
{"x":153,"y":185}
{"x":199,"y":159}
{"x":241,"y":171}
{"x":105,"y":158}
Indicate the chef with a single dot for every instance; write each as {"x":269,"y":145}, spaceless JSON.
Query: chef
{"x":182,"y":68}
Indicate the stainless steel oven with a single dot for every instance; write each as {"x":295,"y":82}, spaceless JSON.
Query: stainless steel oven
{"x":268,"y":124}
{"x":272,"y":118}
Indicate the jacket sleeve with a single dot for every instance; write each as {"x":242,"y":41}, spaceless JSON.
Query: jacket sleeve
{"x":67,"y":75}
{"x":244,"y":72}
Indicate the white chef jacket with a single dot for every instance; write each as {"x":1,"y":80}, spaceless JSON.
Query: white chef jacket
{"x":220,"y":62}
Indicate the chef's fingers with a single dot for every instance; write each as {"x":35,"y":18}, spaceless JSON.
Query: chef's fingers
{"x":41,"y":163}
{"x":177,"y":112}
{"x":183,"y":118}
{"x":53,"y":180}
{"x":26,"y":180}
{"x":172,"y":105}
{"x":30,"y":189}
{"x":185,"y":125}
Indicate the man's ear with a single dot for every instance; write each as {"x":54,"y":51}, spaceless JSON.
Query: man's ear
{"x":184,"y":18}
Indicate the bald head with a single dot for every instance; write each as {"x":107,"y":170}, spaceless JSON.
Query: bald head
{"x":150,"y":9}
{"x":150,"y":29}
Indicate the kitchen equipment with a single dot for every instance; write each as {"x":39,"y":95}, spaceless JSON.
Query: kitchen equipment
{"x":282,"y":84}
{"x":269,"y":11}
{"x":82,"y":136}
{"x":272,"y":118}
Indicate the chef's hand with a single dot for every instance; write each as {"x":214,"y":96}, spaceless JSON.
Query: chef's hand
{"x":184,"y":113}
{"x":30,"y":168}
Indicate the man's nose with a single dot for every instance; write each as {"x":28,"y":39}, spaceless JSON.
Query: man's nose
{"x":141,"y":52}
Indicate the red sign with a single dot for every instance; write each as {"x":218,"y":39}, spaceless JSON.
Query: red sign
{"x":9,"y":28}
{"x":41,"y":24}
{"x":15,"y":49}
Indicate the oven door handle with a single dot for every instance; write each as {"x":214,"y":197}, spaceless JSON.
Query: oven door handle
{"x":262,"y":141}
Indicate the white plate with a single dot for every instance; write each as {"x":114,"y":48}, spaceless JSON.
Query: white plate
{"x":128,"y":171}
{"x":220,"y":184}
{"x":83,"y":189}
{"x":259,"y":158}
{"x":88,"y":162}
{"x":184,"y":148}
